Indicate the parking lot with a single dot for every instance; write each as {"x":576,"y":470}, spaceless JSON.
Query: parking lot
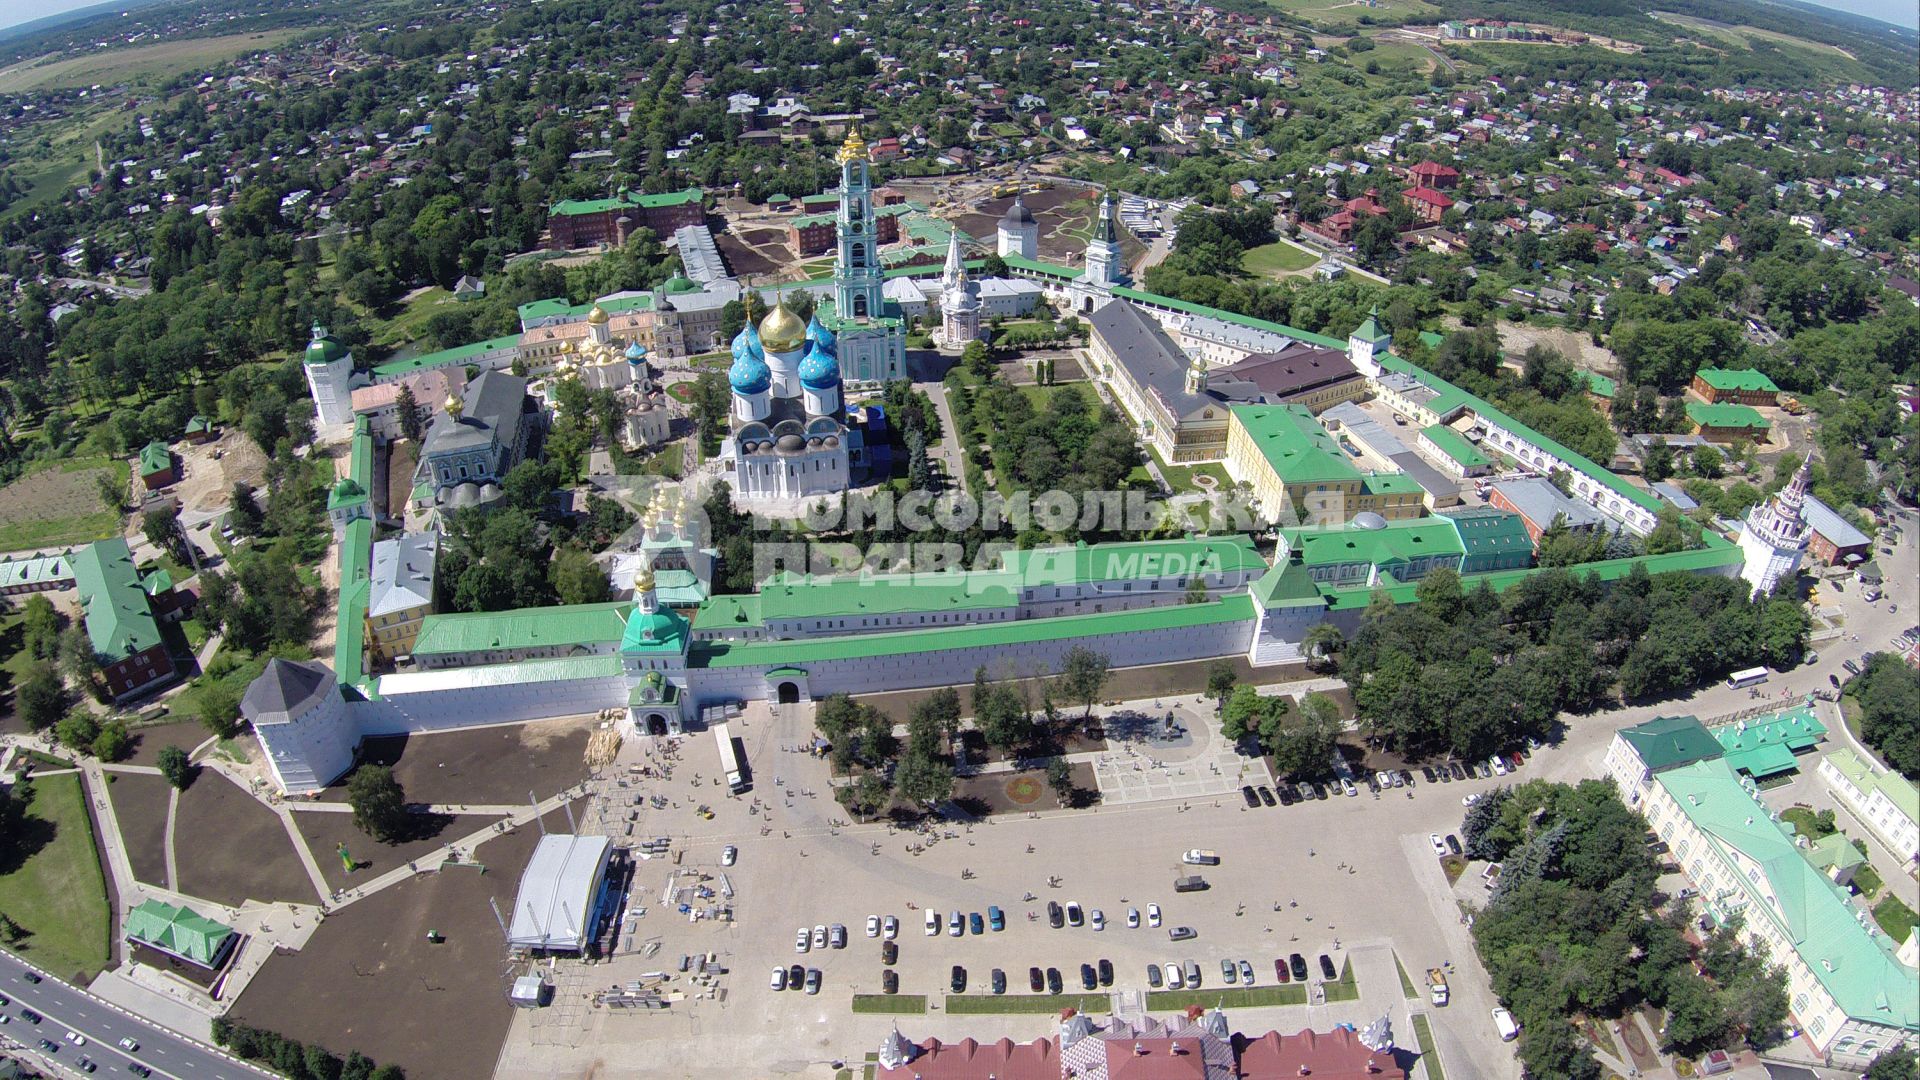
{"x":1351,"y":877}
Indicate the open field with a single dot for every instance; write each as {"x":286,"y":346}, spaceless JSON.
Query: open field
{"x":1397,"y":57}
{"x":139,"y":805}
{"x":147,"y":62}
{"x":369,"y":979}
{"x":62,"y":162}
{"x":325,"y":831}
{"x":59,"y":505}
{"x":409,"y":322}
{"x":1743,"y":37}
{"x":493,"y":765}
{"x":1279,"y":259}
{"x":1345,"y":12}
{"x":229,"y":848}
{"x":51,"y":883}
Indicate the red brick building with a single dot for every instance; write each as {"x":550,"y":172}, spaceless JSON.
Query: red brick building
{"x":1322,"y":1055}
{"x":576,"y":223}
{"x":1428,"y":205}
{"x":1432,"y":174}
{"x":119,"y":620}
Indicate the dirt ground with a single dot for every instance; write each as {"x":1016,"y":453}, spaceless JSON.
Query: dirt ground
{"x":403,"y":457}
{"x":149,"y":741}
{"x":370,"y":981}
{"x":1125,"y":684}
{"x":326,"y":831}
{"x":1573,"y":344}
{"x":49,"y":493}
{"x":1017,"y":793}
{"x":140,"y":806}
{"x":748,"y":260}
{"x":229,"y":848}
{"x":209,"y":471}
{"x":495,"y":765}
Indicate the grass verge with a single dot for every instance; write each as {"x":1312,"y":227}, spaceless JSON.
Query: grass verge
{"x":56,"y":892}
{"x":1423,"y":1033}
{"x":960,"y":1004}
{"x":1896,"y":918}
{"x":1230,"y":997}
{"x":1406,"y":984}
{"x":1279,"y":257}
{"x":1344,"y":989}
{"x":890,"y":1003}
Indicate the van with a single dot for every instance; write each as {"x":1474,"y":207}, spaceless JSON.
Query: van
{"x":1190,"y":883}
{"x":1200,"y":857}
{"x":1503,"y":1022}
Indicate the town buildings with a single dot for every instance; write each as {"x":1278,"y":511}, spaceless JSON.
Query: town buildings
{"x":1885,"y":802}
{"x":120,"y":620}
{"x":575,"y":223}
{"x":401,"y":594}
{"x":477,"y":438}
{"x":1774,"y":536}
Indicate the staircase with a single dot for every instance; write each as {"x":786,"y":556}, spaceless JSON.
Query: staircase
{"x":1268,"y":651}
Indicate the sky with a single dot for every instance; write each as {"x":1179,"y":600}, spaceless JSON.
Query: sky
{"x":1899,"y":12}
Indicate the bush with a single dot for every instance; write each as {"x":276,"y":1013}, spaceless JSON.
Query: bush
{"x":77,"y":730}
{"x":176,"y":767}
{"x":294,"y":1059}
{"x":220,"y":709}
{"x":112,"y":743}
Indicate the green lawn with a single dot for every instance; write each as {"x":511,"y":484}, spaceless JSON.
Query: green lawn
{"x":1896,"y":918}
{"x":1423,"y":1032}
{"x":1025,"y":1003}
{"x":1406,"y":984}
{"x":1181,"y":476}
{"x":58,"y":894}
{"x":890,"y":1003}
{"x":58,"y":504}
{"x":1277,"y":258}
{"x":410,"y":322}
{"x":1230,"y":997}
{"x":1345,"y":989}
{"x":1867,"y":880}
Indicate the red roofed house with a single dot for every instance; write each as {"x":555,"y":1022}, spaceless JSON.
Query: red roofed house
{"x":1332,"y":1055}
{"x":1428,"y":204}
{"x":932,"y":1059}
{"x":1434,"y":175}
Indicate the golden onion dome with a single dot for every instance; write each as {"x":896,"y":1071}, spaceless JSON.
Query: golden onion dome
{"x":597,"y":317}
{"x":454,"y":405}
{"x":782,"y":331}
{"x":566,"y":346}
{"x":855,"y":148}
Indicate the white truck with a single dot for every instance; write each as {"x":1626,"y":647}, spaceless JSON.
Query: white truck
{"x":1437,"y":987}
{"x":1200,"y":857}
{"x":1504,"y":1023}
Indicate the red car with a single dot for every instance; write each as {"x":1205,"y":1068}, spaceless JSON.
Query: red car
{"x":1280,"y":969}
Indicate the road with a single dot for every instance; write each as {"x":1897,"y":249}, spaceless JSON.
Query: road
{"x":67,"y":1008}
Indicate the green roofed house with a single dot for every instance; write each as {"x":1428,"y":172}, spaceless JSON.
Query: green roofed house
{"x":1664,"y":742}
{"x":1887,"y":802}
{"x":181,"y":933}
{"x":1452,"y":450}
{"x":119,"y":619}
{"x":199,"y":429}
{"x":1743,"y":387}
{"x":1603,"y":391}
{"x":465,"y":639}
{"x":1362,"y":551}
{"x":573,"y":223}
{"x":1494,"y":539}
{"x":1725,"y":423}
{"x":156,"y":466}
{"x":1766,"y":746}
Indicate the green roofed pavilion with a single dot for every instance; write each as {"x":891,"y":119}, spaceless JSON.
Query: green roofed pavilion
{"x":1668,"y":742}
{"x":181,"y":933}
{"x":1743,"y":379}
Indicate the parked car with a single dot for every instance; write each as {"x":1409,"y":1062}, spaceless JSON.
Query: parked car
{"x":1176,"y":978}
{"x":873,"y":926}
{"x":1182,"y":933}
{"x":1298,"y":964}
{"x":959,"y":979}
{"x":1280,"y":969}
{"x":1459,"y":771}
{"x":1074,"y":916}
{"x":933,"y":923}
{"x":729,"y":855}
{"x":1193,"y":975}
{"x":837,"y":936}
{"x":803,"y":940}
{"x":86,"y":1065}
{"x":1499,"y":767}
{"x":138,"y":1069}
{"x":1484,"y":770}
{"x":956,"y":924}
{"x":1470,"y":799}
{"x":813,"y":980}
{"x":1229,"y":973}
{"x":1407,"y":775}
{"x":1153,"y":915}
{"x":1106,"y":972}
{"x":779,"y":979}
{"x":1133,"y":918}
{"x":1247,"y":793}
{"x":1097,"y":918}
{"x":49,"y":1046}
{"x":1439,"y":846}
{"x":890,"y":928}
{"x":1427,"y":771}
{"x":889,"y":952}
{"x":1054,"y":918}
{"x":796,"y":975}
{"x":996,"y":918}
{"x":1036,"y":982}
{"x":30,"y":1016}
{"x":1287,"y":797}
{"x":1088,"y":980}
{"x":1153,"y":976}
{"x":889,"y":981}
{"x":1445,"y":774}
{"x":1326,"y":967}
{"x":1053,"y":980}
{"x":820,"y":936}
{"x":1347,"y":788}
{"x":1266,"y":796}
{"x":1246,"y":972}
{"x":1453,"y":843}
{"x":998,"y":981}
{"x":1373,"y":782}
{"x":976,"y":924}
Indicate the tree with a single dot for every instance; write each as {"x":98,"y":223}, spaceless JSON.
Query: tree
{"x":978,"y":359}
{"x":1060,"y":779}
{"x":245,"y":513}
{"x":379,"y":803}
{"x":412,"y":422}
{"x":40,"y":626}
{"x":176,"y":767}
{"x":922,"y":779}
{"x":1900,"y":1063}
{"x":112,"y":493}
{"x":1220,"y":680}
{"x":1476,"y":828}
{"x":1323,"y":642}
{"x":1083,"y":673}
{"x":77,"y":730}
{"x":41,"y":699}
{"x":220,"y":709}
{"x":112,"y":743}
{"x":577,"y":578}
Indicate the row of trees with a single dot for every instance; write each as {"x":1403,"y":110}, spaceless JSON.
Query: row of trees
{"x":1573,"y":930}
{"x":1468,"y":671}
{"x":297,"y":1060}
{"x":1889,"y":695}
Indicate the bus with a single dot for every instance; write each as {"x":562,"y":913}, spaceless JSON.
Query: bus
{"x":1748,"y":677}
{"x":729,"y":760}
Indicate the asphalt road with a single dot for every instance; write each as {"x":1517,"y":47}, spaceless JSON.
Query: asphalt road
{"x":67,"y":1008}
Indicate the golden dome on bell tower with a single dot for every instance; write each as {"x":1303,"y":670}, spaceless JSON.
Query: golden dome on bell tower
{"x":855,"y":148}
{"x":782,"y":331}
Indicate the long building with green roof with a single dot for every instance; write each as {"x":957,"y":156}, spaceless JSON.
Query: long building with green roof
{"x":118,"y":615}
{"x":1846,"y":984}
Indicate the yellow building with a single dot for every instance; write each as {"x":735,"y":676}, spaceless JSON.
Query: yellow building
{"x":402,"y":593}
{"x":1299,"y":473}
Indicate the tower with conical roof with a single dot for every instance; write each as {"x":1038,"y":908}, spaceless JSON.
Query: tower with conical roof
{"x":1106,"y":267}
{"x":1368,"y":342}
{"x":1774,"y":537}
{"x":959,"y":298}
{"x":1018,"y":233}
{"x":329,"y":368}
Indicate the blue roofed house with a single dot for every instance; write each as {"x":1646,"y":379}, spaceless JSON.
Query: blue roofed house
{"x":1831,"y":538}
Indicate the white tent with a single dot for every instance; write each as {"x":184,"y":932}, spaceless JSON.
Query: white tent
{"x":550,"y":911}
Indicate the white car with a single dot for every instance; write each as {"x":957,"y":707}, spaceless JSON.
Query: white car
{"x":890,"y":928}
{"x":1153,"y":915}
{"x":779,"y":980}
{"x":1133,"y":918}
{"x":1439,"y":848}
{"x":1499,"y":766}
{"x":1469,"y":800}
{"x":1346,"y":786}
{"x":76,"y":1038}
{"x":728,"y":854}
{"x":129,"y":1045}
{"x":820,"y":936}
{"x":956,"y":924}
{"x":1098,"y":918}
{"x":873,"y":926}
{"x":1175,"y":978}
{"x":803,"y":940}
{"x":933,"y":923}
